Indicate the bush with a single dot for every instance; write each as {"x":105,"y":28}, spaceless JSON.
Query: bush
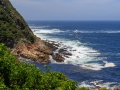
{"x":82,"y":88}
{"x":15,"y":75}
{"x":103,"y":89}
{"x":13,"y":25}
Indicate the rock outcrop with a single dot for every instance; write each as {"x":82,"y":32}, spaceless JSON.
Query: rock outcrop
{"x":38,"y":51}
{"x":16,"y":34}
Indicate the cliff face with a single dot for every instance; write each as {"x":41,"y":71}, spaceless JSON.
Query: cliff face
{"x":13,"y":27}
{"x":15,"y":33}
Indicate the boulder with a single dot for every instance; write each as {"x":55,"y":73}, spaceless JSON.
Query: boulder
{"x":58,"y":58}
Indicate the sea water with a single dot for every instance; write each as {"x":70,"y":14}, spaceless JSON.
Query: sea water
{"x":95,"y":49}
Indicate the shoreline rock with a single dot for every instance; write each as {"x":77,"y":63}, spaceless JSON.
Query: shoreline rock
{"x":40,"y":51}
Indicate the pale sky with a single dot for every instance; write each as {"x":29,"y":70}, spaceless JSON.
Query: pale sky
{"x":68,"y":9}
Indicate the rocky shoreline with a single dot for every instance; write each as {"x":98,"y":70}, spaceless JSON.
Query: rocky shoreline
{"x":41,"y":51}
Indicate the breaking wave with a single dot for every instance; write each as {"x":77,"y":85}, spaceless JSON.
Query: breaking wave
{"x":94,"y":47}
{"x":46,"y":31}
{"x":83,"y":56}
{"x":101,"y":31}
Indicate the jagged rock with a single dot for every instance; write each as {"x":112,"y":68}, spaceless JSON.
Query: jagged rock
{"x":64,"y":52}
{"x":58,"y":58}
{"x":33,"y":52}
{"x":53,"y":46}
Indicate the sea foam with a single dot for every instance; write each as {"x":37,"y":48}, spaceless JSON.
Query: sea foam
{"x":81,"y":55}
{"x":46,"y":31}
{"x":101,"y":31}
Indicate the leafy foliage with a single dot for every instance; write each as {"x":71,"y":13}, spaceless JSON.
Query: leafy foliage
{"x":12,"y":26}
{"x":15,"y":75}
{"x":103,"y":89}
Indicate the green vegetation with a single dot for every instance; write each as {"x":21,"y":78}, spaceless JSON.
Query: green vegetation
{"x":15,"y":75}
{"x":12,"y":26}
{"x":103,"y":89}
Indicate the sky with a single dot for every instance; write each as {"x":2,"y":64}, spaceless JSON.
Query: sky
{"x":68,"y":9}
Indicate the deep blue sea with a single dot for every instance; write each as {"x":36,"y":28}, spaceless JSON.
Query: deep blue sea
{"x":93,"y":44}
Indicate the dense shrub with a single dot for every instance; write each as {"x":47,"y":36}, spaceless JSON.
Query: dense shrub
{"x":15,"y":75}
{"x":12,"y":25}
{"x":103,"y":89}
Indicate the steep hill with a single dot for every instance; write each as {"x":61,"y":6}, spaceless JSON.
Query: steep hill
{"x":13,"y":27}
{"x":16,"y":34}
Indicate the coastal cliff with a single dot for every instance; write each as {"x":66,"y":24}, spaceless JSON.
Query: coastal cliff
{"x":15,"y":75}
{"x":16,"y":34}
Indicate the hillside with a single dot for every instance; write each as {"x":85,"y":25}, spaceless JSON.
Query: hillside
{"x":13,"y":27}
{"x":15,"y":75}
{"x":16,"y":34}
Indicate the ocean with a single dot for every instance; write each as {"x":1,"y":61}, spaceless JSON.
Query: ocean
{"x":95,"y":49}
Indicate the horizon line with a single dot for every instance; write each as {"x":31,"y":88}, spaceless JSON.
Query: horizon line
{"x":71,"y":20}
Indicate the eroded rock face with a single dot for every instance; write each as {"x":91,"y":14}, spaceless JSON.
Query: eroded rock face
{"x":38,"y":51}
